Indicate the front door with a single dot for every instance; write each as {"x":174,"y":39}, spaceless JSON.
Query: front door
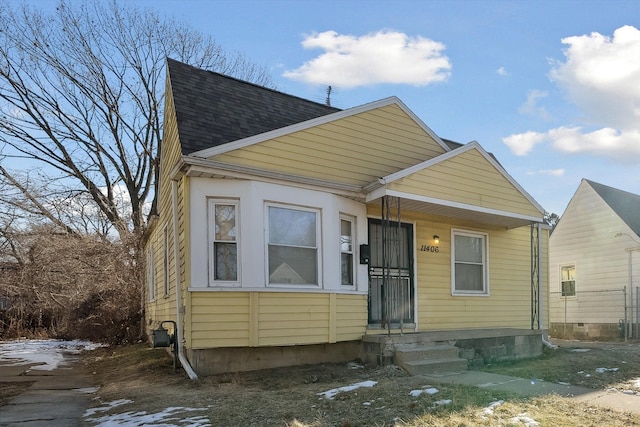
{"x":391,"y":290}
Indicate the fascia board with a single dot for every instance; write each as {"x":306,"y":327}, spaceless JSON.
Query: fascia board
{"x":459,"y":205}
{"x":246,"y":142}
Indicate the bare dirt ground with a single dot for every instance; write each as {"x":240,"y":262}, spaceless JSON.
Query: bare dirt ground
{"x":292,"y":396}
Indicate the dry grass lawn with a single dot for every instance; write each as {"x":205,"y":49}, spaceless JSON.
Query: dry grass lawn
{"x":289,"y":396}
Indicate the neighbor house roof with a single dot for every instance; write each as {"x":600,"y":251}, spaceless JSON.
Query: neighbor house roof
{"x":213,"y":109}
{"x":626,"y":205}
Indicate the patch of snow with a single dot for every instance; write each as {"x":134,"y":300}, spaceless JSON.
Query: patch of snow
{"x":109,"y":405}
{"x":563,"y":383}
{"x":526,"y":419}
{"x":580,"y":350}
{"x":629,"y":392}
{"x":442,"y":402}
{"x":86,"y":390}
{"x":330,"y":394}
{"x":46,"y":355}
{"x":169,"y":417}
{"x":636,"y":382}
{"x":425,"y":390}
{"x":492,"y":407}
{"x":354,"y":365}
{"x":603,"y":370}
{"x":366,"y":403}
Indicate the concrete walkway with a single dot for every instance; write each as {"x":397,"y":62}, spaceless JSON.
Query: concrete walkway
{"x":56,"y":398}
{"x":525,"y":387}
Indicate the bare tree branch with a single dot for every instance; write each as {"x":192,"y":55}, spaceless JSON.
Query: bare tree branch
{"x":81,"y":92}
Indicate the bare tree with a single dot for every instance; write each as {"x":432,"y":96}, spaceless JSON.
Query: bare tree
{"x":81,"y":97}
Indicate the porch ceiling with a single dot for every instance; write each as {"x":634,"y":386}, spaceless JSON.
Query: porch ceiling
{"x":460,"y":211}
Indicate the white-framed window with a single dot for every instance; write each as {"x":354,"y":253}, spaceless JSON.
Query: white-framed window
{"x":568,"y":280}
{"x":151,"y":275}
{"x":223,"y":242}
{"x":165,"y":260}
{"x":469,"y":263}
{"x":347,"y":242}
{"x":293,"y":252}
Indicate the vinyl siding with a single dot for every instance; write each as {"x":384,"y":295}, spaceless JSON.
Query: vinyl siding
{"x":468,"y":178}
{"x":584,"y":237}
{"x":355,"y":150}
{"x":164,"y":307}
{"x":241,"y":319}
{"x":508,"y":304}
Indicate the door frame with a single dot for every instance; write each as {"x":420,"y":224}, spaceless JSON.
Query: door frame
{"x":377,"y":295}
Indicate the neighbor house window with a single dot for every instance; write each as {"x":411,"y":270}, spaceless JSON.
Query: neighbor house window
{"x":223,"y":257}
{"x":568,"y":280}
{"x":346,"y":250}
{"x":292,"y":245}
{"x":469,"y":263}
{"x":151,"y":276}
{"x":165,"y":260}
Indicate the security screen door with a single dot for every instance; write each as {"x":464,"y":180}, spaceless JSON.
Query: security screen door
{"x":391,"y":290}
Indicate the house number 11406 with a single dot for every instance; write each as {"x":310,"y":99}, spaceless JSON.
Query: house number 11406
{"x":425,"y":248}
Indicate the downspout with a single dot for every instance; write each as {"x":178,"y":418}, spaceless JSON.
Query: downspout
{"x":545,"y":341}
{"x":176,"y":259}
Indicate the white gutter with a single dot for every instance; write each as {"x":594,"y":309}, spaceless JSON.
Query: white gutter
{"x":176,"y":259}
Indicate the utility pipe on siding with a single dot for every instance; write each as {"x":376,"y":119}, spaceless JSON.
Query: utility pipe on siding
{"x":176,"y":259}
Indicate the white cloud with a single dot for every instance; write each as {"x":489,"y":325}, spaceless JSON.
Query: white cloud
{"x":601,"y":76}
{"x":521,"y":144}
{"x":624,"y":145}
{"x":502,"y":71}
{"x":549,"y":172}
{"x":381,"y":57}
{"x":531,"y":105}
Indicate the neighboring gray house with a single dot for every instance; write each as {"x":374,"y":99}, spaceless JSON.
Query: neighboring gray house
{"x":594,"y":265}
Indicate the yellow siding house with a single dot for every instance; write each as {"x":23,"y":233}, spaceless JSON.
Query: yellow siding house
{"x":291,"y":232}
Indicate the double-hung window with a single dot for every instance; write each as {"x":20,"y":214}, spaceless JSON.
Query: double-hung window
{"x":346,"y":250}
{"x":223,"y":245}
{"x":568,"y":280}
{"x":469,"y":263}
{"x":292,"y":245}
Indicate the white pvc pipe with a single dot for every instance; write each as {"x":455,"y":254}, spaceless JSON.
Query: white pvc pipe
{"x":176,"y":259}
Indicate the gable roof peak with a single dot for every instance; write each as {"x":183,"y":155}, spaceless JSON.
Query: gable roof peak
{"x":625,"y":204}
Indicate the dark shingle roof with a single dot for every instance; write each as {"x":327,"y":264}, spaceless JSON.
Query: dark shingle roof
{"x":213,"y":109}
{"x":626,"y":205}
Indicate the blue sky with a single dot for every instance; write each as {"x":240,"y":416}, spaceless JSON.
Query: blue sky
{"x":552,"y":88}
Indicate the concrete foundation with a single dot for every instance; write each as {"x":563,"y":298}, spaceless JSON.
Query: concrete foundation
{"x":477,"y":346}
{"x":588,"y":331}
{"x":213,"y":361}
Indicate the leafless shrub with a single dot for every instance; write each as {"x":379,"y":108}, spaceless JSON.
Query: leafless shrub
{"x":71,"y":286}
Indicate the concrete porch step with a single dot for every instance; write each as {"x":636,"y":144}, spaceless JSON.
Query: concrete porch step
{"x":428,"y":367}
{"x":408,"y":353}
{"x":429,"y":359}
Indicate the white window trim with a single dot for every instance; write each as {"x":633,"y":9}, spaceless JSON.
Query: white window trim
{"x":354,"y":269}
{"x":151,"y":275}
{"x":211,"y":203}
{"x":485,"y":262}
{"x":318,"y":212}
{"x":575,"y":267}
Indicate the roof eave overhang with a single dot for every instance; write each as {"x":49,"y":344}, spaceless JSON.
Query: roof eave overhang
{"x":203,"y":168}
{"x":457,"y":210}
